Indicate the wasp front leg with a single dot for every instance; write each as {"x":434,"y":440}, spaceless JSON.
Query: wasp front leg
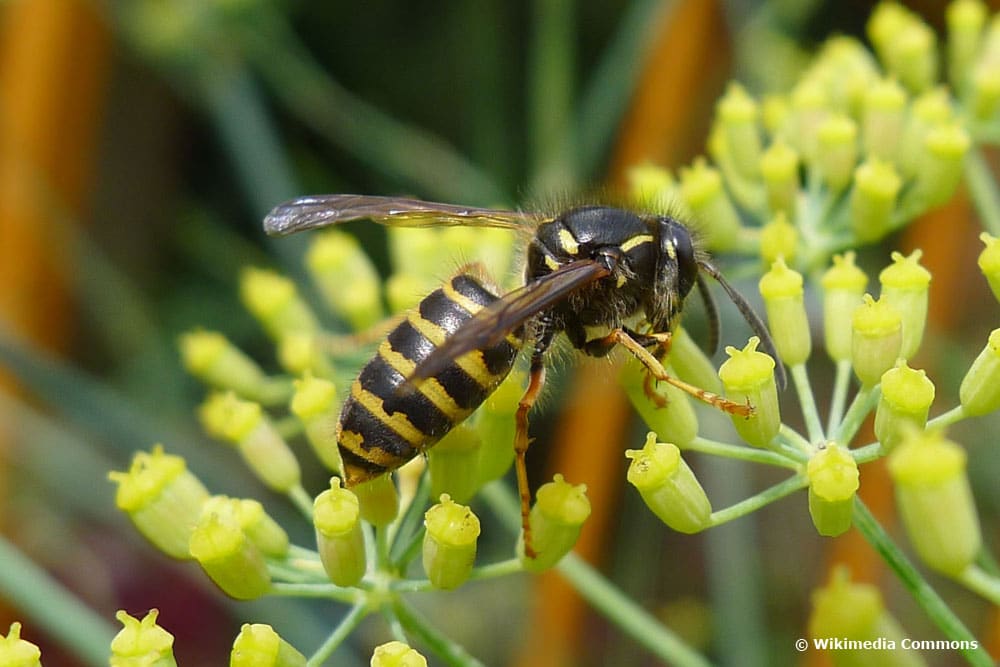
{"x":658,"y":372}
{"x":660,"y":342}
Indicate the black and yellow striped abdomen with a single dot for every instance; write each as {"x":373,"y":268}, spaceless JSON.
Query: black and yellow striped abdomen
{"x":382,"y":427}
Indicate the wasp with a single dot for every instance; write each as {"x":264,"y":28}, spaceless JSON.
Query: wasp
{"x":589,"y":267}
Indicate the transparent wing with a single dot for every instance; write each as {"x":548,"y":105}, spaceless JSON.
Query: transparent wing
{"x":322,"y":210}
{"x":492,"y":324}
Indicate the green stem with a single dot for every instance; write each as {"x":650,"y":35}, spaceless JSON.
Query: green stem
{"x":984,"y":191}
{"x":329,"y":591}
{"x":294,"y":572}
{"x":395,"y":626}
{"x":500,"y":569}
{"x":922,"y":592}
{"x":343,"y":630}
{"x":808,"y":402}
{"x":382,"y":547}
{"x":793,"y":444}
{"x":759,"y":500}
{"x":841,"y":384}
{"x":410,"y":528}
{"x":627,"y":615}
{"x":981,"y":582}
{"x":739,"y":452}
{"x":610,"y":601}
{"x":862,"y":404}
{"x":948,"y":418}
{"x":51,"y":607}
{"x":450,"y":652}
{"x":867,"y":453}
{"x":302,"y":500}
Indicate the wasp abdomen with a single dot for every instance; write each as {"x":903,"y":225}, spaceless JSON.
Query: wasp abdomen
{"x":384,"y":424}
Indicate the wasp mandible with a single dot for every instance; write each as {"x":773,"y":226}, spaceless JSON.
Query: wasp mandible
{"x":587,"y":267}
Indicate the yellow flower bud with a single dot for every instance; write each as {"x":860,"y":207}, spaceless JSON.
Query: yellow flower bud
{"x":906,"y":399}
{"x":213,"y":359}
{"x":843,"y":284}
{"x":397,"y":654}
{"x":737,"y":115}
{"x":778,"y":239}
{"x":556,"y":519}
{"x":335,"y":259}
{"x":244,"y":424}
{"x":316,"y":406}
{"x":873,"y":199}
{"x":905,"y":287}
{"x":454,"y":464}
{"x":262,"y":530}
{"x":339,"y":539}
{"x":275,"y":302}
{"x":965,"y":19}
{"x":258,"y":645}
{"x":989,"y":262}
{"x":650,"y":186}
{"x":162,"y":498}
{"x":838,"y":151}
{"x":748,"y":376}
{"x":876,"y":341}
{"x":141,"y":643}
{"x":781,"y":288}
{"x":980,"y":389}
{"x":845,"y":610}
{"x":495,"y":423}
{"x":701,"y":189}
{"x":379,"y":500}
{"x":449,"y":549}
{"x":17,"y":652}
{"x":935,"y":501}
{"x":668,"y":486}
{"x":833,"y":482}
{"x":229,"y":557}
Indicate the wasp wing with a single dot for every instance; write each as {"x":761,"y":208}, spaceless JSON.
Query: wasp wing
{"x":493,"y":323}
{"x":322,"y":210}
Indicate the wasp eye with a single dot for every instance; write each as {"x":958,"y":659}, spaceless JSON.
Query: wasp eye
{"x":687,"y":265}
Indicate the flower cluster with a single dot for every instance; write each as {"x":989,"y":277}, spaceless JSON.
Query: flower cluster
{"x":795,"y":182}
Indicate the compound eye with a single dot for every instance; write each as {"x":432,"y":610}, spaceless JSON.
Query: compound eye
{"x":687,"y":265}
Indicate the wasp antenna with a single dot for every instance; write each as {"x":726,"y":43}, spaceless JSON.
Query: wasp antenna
{"x":711,"y":314}
{"x":751,"y":318}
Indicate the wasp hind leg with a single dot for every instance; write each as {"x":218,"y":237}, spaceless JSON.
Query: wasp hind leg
{"x":521,"y":442}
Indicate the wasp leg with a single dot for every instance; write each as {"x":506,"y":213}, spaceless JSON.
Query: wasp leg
{"x":656,"y":369}
{"x":521,"y":442}
{"x":599,"y":347}
{"x":662,"y":342}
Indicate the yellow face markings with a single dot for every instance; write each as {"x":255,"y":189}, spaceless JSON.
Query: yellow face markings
{"x":638,"y":240}
{"x":671,"y":250}
{"x":568,"y":243}
{"x":430,"y":388}
{"x":471,"y":362}
{"x":551,"y":262}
